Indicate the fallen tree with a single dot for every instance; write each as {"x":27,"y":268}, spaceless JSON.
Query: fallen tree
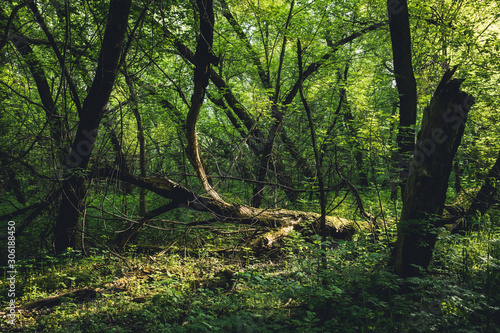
{"x":471,"y":202}
{"x":181,"y":197}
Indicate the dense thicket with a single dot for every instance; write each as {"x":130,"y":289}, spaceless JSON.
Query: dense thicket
{"x":270,"y":114}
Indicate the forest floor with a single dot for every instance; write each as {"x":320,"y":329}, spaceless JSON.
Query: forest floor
{"x":306,"y":286}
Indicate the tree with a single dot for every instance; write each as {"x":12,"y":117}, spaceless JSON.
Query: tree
{"x":214,"y":112}
{"x":92,"y":111}
{"x":399,"y":24}
{"x":442,"y":129}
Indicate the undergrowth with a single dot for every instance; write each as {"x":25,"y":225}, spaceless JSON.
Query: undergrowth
{"x":314,"y":286}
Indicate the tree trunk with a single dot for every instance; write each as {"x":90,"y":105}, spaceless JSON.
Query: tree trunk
{"x":203,"y":58}
{"x":442,"y":128}
{"x":486,"y":195}
{"x":317,"y":158}
{"x":92,"y":111}
{"x":276,"y":126}
{"x":399,"y":25}
{"x":466,"y":204}
{"x":181,"y":197}
{"x":140,"y":138}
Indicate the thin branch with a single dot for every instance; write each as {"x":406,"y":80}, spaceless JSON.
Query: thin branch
{"x":263,"y":75}
{"x":67,"y":74}
{"x":10,"y":22}
{"x":312,"y":68}
{"x":317,"y":158}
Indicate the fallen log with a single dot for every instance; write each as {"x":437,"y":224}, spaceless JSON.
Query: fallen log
{"x":182,"y":197}
{"x":79,"y":295}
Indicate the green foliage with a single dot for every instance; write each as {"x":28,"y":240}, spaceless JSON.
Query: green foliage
{"x":340,"y":286}
{"x":313,"y":284}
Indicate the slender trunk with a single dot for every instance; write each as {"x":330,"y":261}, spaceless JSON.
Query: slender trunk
{"x":276,"y":125}
{"x":399,"y":25}
{"x":203,"y":58}
{"x":319,"y":173}
{"x":140,"y":138}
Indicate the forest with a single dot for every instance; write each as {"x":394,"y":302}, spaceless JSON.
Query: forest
{"x":249,"y":166}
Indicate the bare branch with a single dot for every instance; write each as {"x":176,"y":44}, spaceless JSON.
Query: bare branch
{"x":10,"y":22}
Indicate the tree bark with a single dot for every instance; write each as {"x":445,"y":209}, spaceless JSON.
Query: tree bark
{"x":203,"y":59}
{"x":92,"y":111}
{"x":442,"y":129}
{"x":399,"y":24}
{"x":181,"y":197}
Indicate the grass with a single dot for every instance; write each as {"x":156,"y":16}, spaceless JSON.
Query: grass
{"x":342,"y":286}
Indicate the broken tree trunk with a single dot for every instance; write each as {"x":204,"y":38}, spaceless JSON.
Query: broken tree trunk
{"x":472,"y":202}
{"x":182,"y":197}
{"x":485,"y":198}
{"x":442,"y":129}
